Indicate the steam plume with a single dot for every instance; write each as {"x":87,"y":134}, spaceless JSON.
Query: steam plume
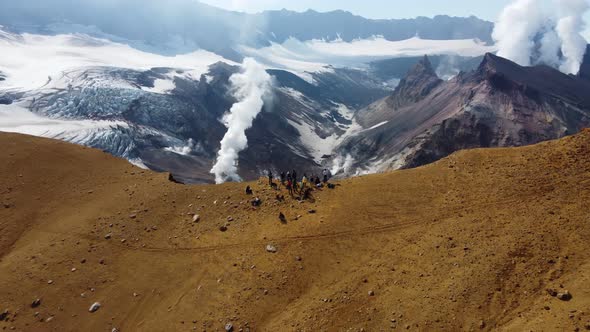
{"x":517,"y":25}
{"x":527,"y":34}
{"x":569,"y":29}
{"x":250,"y":87}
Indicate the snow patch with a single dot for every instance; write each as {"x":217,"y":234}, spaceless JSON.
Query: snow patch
{"x":32,"y":60}
{"x":16,"y":118}
{"x":161,"y":86}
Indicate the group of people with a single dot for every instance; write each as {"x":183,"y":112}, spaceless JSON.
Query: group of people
{"x":291,"y":181}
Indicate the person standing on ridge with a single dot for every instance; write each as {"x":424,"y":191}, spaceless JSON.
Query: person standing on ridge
{"x":270,"y":178}
{"x":325,"y":174}
{"x":303,"y":183}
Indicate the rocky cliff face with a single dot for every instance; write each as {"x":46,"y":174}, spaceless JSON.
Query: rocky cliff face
{"x":499,"y":104}
{"x":417,"y":84}
{"x":585,"y":68}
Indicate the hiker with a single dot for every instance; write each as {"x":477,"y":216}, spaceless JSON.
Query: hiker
{"x":282,"y":218}
{"x":256,"y":202}
{"x":306,"y":194}
{"x":288,"y":175}
{"x":290,"y":186}
{"x":283,"y":177}
{"x":317,"y":182}
{"x":249,"y":190}
{"x":325,"y":174}
{"x":270,"y":178}
{"x":303,"y":183}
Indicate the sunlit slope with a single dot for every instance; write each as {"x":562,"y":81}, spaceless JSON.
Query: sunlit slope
{"x":471,"y":242}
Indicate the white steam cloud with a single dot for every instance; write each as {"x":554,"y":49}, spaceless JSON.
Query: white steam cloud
{"x":527,"y":33}
{"x":250,"y":87}
{"x":569,"y":29}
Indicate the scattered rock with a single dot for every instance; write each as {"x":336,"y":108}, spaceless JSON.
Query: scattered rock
{"x":282,"y":217}
{"x":229,"y":327}
{"x":230,"y":218}
{"x":49,"y":319}
{"x":271,"y":248}
{"x":223,"y":228}
{"x":4,"y":315}
{"x":482,"y":324}
{"x":108,"y":236}
{"x":312,"y":211}
{"x":564,"y":296}
{"x":133,"y":216}
{"x":83,"y":260}
{"x":94,"y":307}
{"x":552,"y":292}
{"x":298,"y":258}
{"x":50,"y":282}
{"x":36,"y":303}
{"x":73,"y":269}
{"x":115,"y":329}
{"x":587,"y":326}
{"x":196,"y":218}
{"x":371,"y":293}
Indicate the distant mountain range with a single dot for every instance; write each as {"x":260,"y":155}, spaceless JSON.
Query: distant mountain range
{"x":179,"y":26}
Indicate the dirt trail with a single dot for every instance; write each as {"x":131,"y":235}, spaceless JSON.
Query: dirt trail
{"x":470,"y":243}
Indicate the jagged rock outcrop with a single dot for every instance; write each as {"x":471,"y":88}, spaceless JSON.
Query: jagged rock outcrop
{"x":417,"y":84}
{"x":585,"y":67}
{"x":499,"y":104}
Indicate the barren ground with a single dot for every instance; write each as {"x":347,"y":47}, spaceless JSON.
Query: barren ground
{"x":469,"y":243}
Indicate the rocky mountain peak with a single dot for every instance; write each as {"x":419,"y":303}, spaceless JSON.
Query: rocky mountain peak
{"x":419,"y":81}
{"x":585,"y":67}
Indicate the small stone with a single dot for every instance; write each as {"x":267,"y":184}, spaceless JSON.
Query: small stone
{"x":4,"y":315}
{"x":297,"y":258}
{"x":83,"y":260}
{"x":196,"y":218}
{"x":114,"y":329}
{"x":371,"y":293}
{"x":73,"y":269}
{"x":108,"y":236}
{"x":36,"y":303}
{"x":230,"y":218}
{"x":270,"y":248}
{"x":50,"y":282}
{"x":49,"y":319}
{"x":229,"y":327}
{"x":132,"y":216}
{"x":312,"y":211}
{"x":564,"y":296}
{"x":223,"y":228}
{"x":552,"y":292}
{"x":94,"y":307}
{"x":482,"y":324}
{"x":587,"y":326}
{"x":123,"y":240}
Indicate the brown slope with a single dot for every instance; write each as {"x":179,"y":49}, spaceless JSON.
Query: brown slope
{"x":473,"y":240}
